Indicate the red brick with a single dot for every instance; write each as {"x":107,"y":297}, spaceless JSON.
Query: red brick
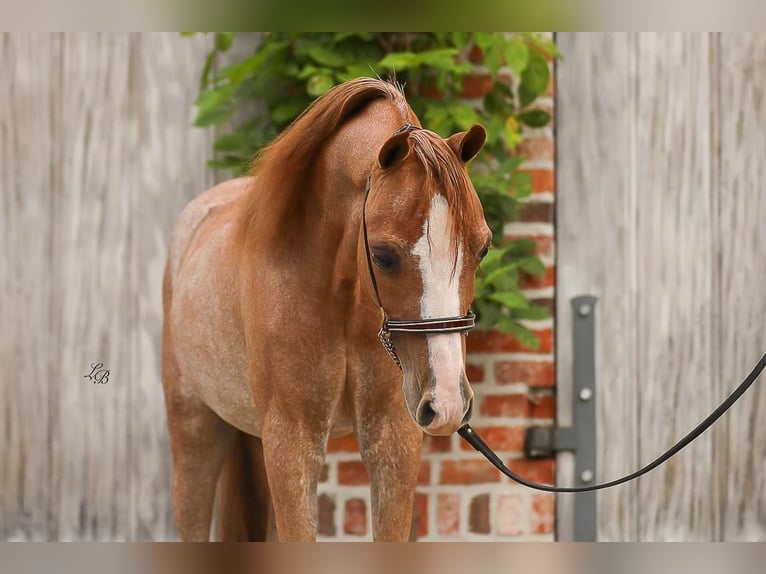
{"x":510,"y":517}
{"x":432,"y":444}
{"x":346,"y":443}
{"x":448,"y":514}
{"x":532,"y":373}
{"x":541,"y":470}
{"x":504,"y":406}
{"x":323,"y":474}
{"x":496,"y":342}
{"x":536,"y":149}
{"x":536,"y":212}
{"x":543,"y":510}
{"x":546,"y":303}
{"x":431,"y":91}
{"x":424,"y":473}
{"x":543,"y":180}
{"x":475,"y":373}
{"x":551,"y":86}
{"x":547,"y":279}
{"x":543,"y":243}
{"x":542,"y":406}
{"x":326,"y":518}
{"x":352,"y":473}
{"x":476,"y":85}
{"x":355,"y":517}
{"x":499,"y":438}
{"x":467,"y":472}
{"x":421,"y":515}
{"x":476,"y":54}
{"x":478,"y":518}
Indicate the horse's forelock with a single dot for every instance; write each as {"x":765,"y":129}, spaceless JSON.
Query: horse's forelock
{"x":446,"y":174}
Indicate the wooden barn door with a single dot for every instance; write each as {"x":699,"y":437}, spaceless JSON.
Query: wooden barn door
{"x":661,"y":214}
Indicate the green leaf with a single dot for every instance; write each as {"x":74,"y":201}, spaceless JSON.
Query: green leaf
{"x":318,"y":85}
{"x":499,"y":273}
{"x":510,"y":300}
{"x":516,"y":54}
{"x":400,"y":61}
{"x":228,"y":162}
{"x":358,"y":71}
{"x":531,"y":313}
{"x":492,"y":258}
{"x":204,"y":79}
{"x":223,"y":40}
{"x":232,"y":142}
{"x":536,"y":75}
{"x":325,"y":56}
{"x":214,"y":116}
{"x":521,"y":247}
{"x":535,"y":118}
{"x":531,"y":265}
{"x":364,"y":36}
{"x":524,"y":335}
{"x":526,"y":96}
{"x":443,"y":58}
{"x":286,"y":112}
{"x":463,"y":115}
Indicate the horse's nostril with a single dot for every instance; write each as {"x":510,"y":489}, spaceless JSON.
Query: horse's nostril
{"x":468,"y":413}
{"x":426,"y":413}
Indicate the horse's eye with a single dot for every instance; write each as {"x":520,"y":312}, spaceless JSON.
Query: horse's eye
{"x":383,"y":257}
{"x":483,"y":253}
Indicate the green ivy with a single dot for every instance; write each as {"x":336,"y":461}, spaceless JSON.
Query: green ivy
{"x":286,"y":71}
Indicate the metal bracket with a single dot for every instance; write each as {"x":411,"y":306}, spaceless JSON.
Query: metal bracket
{"x":544,"y":442}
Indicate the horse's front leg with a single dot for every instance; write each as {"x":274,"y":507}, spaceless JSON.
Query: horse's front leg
{"x":390,"y":444}
{"x":294,"y":451}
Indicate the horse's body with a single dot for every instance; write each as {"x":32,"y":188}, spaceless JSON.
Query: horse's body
{"x":269,"y":341}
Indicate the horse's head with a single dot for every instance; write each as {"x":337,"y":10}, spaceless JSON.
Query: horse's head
{"x":426,"y":236}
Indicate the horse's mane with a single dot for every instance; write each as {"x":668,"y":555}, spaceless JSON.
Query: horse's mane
{"x":284,"y":166}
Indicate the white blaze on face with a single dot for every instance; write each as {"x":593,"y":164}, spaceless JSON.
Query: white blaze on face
{"x":441,"y":298}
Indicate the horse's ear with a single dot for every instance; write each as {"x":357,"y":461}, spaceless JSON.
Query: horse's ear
{"x":468,"y":144}
{"x":394,"y":150}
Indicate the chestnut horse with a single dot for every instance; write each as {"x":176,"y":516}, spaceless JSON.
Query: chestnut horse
{"x":270,"y":317}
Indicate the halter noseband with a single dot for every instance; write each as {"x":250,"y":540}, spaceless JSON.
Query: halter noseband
{"x":463,"y":323}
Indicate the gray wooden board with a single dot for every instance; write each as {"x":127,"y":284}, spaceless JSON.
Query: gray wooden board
{"x":660,"y":209}
{"x":98,"y":156}
{"x":170,"y":159}
{"x":741,"y":300}
{"x":26,"y":61}
{"x":595,"y":208}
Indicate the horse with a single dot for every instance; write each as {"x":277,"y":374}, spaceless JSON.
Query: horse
{"x":273,"y":294}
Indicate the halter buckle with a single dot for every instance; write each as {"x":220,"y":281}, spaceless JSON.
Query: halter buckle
{"x":384,"y":334}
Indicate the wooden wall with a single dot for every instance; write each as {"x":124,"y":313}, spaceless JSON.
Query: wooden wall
{"x":97,"y":157}
{"x":661,"y":207}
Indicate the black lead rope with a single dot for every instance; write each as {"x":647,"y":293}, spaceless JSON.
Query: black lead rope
{"x":476,"y":442}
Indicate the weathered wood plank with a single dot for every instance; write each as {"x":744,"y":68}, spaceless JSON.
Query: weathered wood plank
{"x":596,"y":246}
{"x":169,"y":170}
{"x":92,"y":306}
{"x":27,"y":65}
{"x":675,"y":266}
{"x":741,"y":247}
{"x":109,"y":119}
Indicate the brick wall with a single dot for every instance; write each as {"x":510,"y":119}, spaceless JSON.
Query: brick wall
{"x":460,"y":496}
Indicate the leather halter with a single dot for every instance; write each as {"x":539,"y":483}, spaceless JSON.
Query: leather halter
{"x":463,"y":323}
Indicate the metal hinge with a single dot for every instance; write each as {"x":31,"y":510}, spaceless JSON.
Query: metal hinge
{"x":545,"y":442}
